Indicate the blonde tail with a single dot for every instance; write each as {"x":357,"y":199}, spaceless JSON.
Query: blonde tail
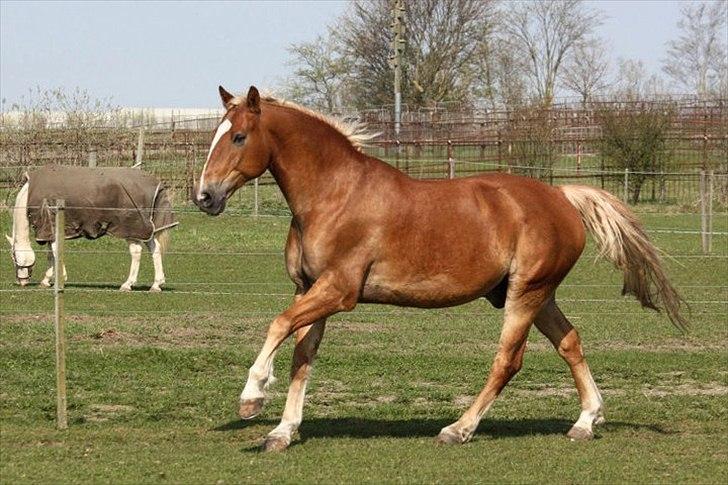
{"x":164,"y":239}
{"x":622,"y":240}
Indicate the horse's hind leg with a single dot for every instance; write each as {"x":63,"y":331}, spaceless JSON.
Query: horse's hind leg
{"x":554,"y":325}
{"x":307,"y":343}
{"x":520,"y":312}
{"x":156,"y":249}
{"x":46,"y":281}
{"x":135,"y":250}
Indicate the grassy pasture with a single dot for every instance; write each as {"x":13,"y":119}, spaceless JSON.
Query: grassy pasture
{"x":153,"y":379}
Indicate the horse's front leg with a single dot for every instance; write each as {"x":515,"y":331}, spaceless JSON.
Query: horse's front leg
{"x":135,"y":250}
{"x":307,"y":343}
{"x":332,"y":293}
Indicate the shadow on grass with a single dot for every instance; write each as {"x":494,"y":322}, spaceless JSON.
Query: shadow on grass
{"x":429,"y":427}
{"x":107,"y":286}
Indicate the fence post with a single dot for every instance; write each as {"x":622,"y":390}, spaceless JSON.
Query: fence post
{"x":255,"y":197}
{"x":626,"y":185}
{"x":710,"y":212}
{"x":450,"y":161}
{"x":92,"y":157}
{"x":140,"y":148}
{"x":500,"y":151}
{"x":578,"y":157}
{"x":703,"y":212}
{"x":61,"y":413}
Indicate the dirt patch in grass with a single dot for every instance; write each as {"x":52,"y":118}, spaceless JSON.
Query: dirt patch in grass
{"x":105,"y":412}
{"x":690,"y":388}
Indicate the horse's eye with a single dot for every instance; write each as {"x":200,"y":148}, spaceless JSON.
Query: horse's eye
{"x":238,"y":138}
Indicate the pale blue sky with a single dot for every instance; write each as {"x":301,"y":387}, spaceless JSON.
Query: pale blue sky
{"x":174,"y":54}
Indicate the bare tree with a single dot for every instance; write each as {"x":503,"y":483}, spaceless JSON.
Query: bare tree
{"x":696,"y":60}
{"x":634,"y":83}
{"x":320,"y":74}
{"x":545,"y":33}
{"x":443,"y":38}
{"x":586,"y":71}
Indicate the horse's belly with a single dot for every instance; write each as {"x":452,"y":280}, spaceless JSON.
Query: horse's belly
{"x":434,"y":291}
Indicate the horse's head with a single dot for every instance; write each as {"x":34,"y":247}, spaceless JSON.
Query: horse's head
{"x":239,"y":152}
{"x":23,"y":260}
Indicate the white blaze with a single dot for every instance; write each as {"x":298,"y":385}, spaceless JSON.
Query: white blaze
{"x":221,"y":130}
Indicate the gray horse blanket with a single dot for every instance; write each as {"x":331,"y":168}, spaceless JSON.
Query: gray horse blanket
{"x":124,"y":202}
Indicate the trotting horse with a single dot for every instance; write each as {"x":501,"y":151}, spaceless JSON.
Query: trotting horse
{"x":123,"y":202}
{"x":363,"y":231}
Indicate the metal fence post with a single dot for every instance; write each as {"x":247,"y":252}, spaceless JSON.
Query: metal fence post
{"x":61,"y":404}
{"x":703,"y":211}
{"x":255,"y":197}
{"x":710,"y":211}
{"x":450,"y":161}
{"x":626,"y":185}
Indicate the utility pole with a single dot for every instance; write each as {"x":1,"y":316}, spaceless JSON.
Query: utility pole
{"x":395,"y":59}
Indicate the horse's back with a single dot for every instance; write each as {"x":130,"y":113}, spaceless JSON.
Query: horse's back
{"x":124,"y":202}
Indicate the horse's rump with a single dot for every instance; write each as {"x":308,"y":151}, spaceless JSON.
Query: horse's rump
{"x":124,"y":202}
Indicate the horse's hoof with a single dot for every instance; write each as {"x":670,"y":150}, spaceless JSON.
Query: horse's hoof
{"x":577,"y":433}
{"x":155,"y":289}
{"x":124,"y":288}
{"x":275,"y":443}
{"x":599,"y":420}
{"x":45,"y":284}
{"x":250,"y":408}
{"x":447,"y":437}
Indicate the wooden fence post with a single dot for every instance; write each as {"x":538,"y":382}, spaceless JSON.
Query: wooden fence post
{"x":140,"y":148}
{"x":92,"y":157}
{"x":626,"y":185}
{"x":61,"y":404}
{"x":578,"y":157}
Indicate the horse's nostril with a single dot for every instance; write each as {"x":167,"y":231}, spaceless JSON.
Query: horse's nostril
{"x":205,"y":199}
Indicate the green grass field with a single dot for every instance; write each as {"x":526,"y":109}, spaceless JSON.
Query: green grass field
{"x":153,"y":379}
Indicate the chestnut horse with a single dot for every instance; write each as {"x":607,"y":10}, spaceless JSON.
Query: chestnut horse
{"x":363,"y":231}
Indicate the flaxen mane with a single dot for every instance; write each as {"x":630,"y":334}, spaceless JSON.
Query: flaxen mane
{"x":354,"y":131}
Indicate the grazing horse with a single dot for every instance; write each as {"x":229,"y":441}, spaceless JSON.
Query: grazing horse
{"x":363,"y":231}
{"x":123,"y":202}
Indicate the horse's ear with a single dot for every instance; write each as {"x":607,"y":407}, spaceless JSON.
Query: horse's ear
{"x":224,"y":96}
{"x":10,"y":240}
{"x":253,"y":101}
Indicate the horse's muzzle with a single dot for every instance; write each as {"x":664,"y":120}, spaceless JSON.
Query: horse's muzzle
{"x":211,"y":200}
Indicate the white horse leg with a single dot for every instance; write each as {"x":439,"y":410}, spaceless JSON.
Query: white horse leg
{"x":46,"y":281}
{"x":156,"y":249}
{"x":135,"y":250}
{"x":307,"y":342}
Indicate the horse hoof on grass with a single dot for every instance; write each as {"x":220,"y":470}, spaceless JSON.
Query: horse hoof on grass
{"x":250,"y":408}
{"x":45,"y":284}
{"x":155,"y":289}
{"x":577,"y":433}
{"x":448,"y":438}
{"x":275,"y":443}
{"x":125,"y":288}
{"x":600,"y":420}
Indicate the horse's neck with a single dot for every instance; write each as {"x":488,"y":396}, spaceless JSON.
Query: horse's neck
{"x":311,"y":169}
{"x":21,"y":225}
